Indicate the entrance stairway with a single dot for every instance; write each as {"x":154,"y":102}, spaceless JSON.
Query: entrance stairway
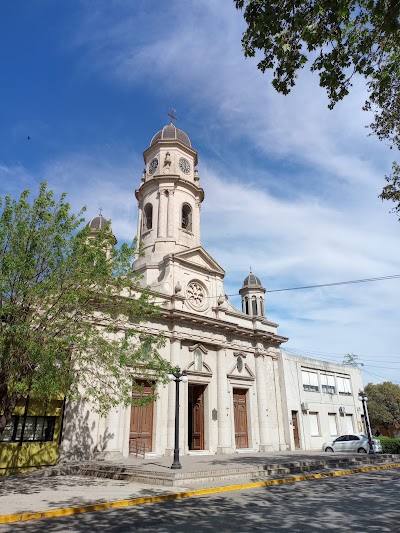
{"x":152,"y":473}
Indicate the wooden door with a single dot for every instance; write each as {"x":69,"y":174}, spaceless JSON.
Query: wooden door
{"x":295,"y":425}
{"x":141,"y":430}
{"x":240,"y":418}
{"x":196,"y":417}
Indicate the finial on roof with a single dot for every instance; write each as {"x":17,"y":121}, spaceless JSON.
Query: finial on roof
{"x":250,"y":270}
{"x":100,"y":211}
{"x":171,"y":114}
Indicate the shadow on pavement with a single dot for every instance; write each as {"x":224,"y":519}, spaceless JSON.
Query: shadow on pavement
{"x":366,"y":504}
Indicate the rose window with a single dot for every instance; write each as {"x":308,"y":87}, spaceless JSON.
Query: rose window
{"x":195,"y":294}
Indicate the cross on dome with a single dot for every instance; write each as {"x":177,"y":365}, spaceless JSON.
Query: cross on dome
{"x":171,"y":114}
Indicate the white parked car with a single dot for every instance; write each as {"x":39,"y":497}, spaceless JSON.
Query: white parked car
{"x":357,"y":442}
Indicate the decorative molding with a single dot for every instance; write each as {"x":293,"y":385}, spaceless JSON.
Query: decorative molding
{"x":241,"y":354}
{"x":250,"y":377}
{"x":199,"y":346}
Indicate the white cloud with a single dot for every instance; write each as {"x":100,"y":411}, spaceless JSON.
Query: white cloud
{"x":297,"y":201}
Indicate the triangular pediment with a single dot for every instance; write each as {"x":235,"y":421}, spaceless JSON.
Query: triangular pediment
{"x":245,"y":374}
{"x":199,"y":258}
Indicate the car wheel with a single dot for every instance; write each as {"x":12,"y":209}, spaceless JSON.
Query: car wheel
{"x":329,"y":449}
{"x":361,"y":450}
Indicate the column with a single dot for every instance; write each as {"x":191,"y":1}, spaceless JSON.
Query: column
{"x":196,"y":223}
{"x":175,"y":348}
{"x":171,"y":225}
{"x":262,"y":403}
{"x":139,"y":223}
{"x":279,"y":414}
{"x":223,"y":405}
{"x":162,"y":213}
{"x":111,"y":436}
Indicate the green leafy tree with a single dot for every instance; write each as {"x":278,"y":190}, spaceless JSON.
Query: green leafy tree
{"x":70,"y":309}
{"x":384,"y":404}
{"x":340,"y":38}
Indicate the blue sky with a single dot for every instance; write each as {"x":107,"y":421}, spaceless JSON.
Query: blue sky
{"x":291,"y":188}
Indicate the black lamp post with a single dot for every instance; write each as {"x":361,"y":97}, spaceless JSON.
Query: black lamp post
{"x":363,"y":398}
{"x":177,"y":377}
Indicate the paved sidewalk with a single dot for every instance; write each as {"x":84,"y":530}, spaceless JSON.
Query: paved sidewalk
{"x":31,"y":493}
{"x":39,"y":491}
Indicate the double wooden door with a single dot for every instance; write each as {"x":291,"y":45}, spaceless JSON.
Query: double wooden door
{"x":196,"y":417}
{"x":141,"y":429}
{"x":240,"y":418}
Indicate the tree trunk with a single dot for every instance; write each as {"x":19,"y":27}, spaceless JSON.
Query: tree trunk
{"x":8,"y":406}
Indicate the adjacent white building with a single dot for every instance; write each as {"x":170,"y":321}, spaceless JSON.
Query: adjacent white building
{"x":243,"y":393}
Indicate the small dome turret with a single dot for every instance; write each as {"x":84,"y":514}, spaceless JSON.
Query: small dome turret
{"x":252,"y":293}
{"x":252,"y":281}
{"x":97,"y":223}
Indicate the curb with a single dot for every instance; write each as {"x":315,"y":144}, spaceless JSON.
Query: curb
{"x":23,"y":517}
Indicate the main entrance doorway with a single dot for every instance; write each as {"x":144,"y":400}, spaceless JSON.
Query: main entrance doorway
{"x":196,"y":417}
{"x":141,"y":430}
{"x":240,"y":417}
{"x":295,"y":426}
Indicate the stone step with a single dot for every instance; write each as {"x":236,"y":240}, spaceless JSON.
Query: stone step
{"x":136,"y":473}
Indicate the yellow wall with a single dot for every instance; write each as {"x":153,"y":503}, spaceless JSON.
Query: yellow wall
{"x":30,"y":455}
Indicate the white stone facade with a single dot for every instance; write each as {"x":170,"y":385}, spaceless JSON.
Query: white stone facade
{"x":242,"y":390}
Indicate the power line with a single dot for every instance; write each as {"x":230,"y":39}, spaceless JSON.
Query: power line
{"x":382,"y":278}
{"x":336,"y":283}
{"x":328,"y":359}
{"x":380,"y":377}
{"x":336,"y":355}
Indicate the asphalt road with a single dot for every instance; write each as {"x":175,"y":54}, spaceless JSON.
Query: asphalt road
{"x":359,"y":503}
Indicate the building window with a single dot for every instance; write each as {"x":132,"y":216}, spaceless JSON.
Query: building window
{"x":198,"y":360}
{"x":148,"y":217}
{"x":262,"y":312}
{"x":186,"y":217}
{"x":310,"y":381}
{"x":343,"y":384}
{"x":314,"y":424}
{"x":37,"y":429}
{"x":247,"y":306}
{"x":328,"y":383}
{"x":254,"y":306}
{"x":332,"y":424}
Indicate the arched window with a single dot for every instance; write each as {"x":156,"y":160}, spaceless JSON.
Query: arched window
{"x":186,"y":217}
{"x":254,"y":306}
{"x":247,"y":307}
{"x":262,"y":310}
{"x":148,"y":217}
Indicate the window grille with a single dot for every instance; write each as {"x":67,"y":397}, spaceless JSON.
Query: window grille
{"x":37,"y":429}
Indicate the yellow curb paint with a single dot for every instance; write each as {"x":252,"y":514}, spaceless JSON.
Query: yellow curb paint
{"x":54,"y":513}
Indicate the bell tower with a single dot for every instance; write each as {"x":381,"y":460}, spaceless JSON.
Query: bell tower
{"x":253,"y":299}
{"x":169,"y":198}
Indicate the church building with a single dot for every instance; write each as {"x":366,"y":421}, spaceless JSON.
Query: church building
{"x":243,"y":393}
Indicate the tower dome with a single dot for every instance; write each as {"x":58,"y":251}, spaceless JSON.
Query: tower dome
{"x":252,"y":281}
{"x":170,"y":133}
{"x":97,"y":223}
{"x":252,"y":293}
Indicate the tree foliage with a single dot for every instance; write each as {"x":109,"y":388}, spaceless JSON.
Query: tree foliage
{"x":70,"y":309}
{"x":384,"y":404}
{"x":341,"y":38}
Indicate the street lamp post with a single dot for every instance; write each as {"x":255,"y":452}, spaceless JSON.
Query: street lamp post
{"x":363,"y":398}
{"x":177,"y":376}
